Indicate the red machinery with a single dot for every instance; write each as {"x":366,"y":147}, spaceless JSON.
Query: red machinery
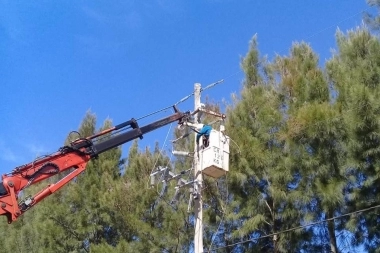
{"x":74,"y":156}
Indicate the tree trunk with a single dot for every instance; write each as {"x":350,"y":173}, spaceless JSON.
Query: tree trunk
{"x":275,"y":238}
{"x":331,"y":229}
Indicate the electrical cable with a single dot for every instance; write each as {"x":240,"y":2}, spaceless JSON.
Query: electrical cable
{"x":159,"y":194}
{"x":229,"y":137}
{"x":298,"y":227}
{"x":225,"y":202}
{"x":212,"y":85}
{"x":222,"y":219}
{"x":160,"y":151}
{"x":150,"y":114}
{"x":331,"y":26}
{"x":76,"y":132}
{"x":186,"y":97}
{"x":207,"y":87}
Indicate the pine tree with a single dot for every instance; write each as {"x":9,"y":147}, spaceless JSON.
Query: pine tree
{"x":355,"y":72}
{"x":47,"y":227}
{"x":373,"y":21}
{"x":261,"y":176}
{"x":315,"y":136}
{"x":147,"y":222}
{"x":78,"y":216}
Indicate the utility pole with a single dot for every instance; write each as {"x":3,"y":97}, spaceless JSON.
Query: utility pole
{"x":198,"y":180}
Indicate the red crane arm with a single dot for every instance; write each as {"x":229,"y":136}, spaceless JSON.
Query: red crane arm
{"x":35,"y":172}
{"x":75,"y":157}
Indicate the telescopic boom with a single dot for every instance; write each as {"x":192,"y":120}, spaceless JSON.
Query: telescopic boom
{"x":74,"y":156}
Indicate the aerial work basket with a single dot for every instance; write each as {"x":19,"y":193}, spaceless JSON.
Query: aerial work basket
{"x":215,"y":157}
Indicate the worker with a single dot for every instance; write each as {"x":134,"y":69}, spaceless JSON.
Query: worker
{"x":205,"y":132}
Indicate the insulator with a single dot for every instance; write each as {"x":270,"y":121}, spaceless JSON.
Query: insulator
{"x":152,"y":180}
{"x":181,"y":153}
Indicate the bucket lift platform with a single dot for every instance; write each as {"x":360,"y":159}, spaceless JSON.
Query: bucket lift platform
{"x":215,"y":158}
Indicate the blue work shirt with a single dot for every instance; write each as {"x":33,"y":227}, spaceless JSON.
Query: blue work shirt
{"x":206,"y":130}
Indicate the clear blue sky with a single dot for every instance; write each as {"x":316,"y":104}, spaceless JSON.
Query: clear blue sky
{"x":125,"y":59}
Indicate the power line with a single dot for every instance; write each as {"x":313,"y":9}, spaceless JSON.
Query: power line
{"x":212,"y":85}
{"x":150,"y":114}
{"x":223,"y":216}
{"x":295,"y":228}
{"x":222,"y":80}
{"x":339,"y":22}
{"x":160,"y":151}
{"x":187,"y":97}
{"x":207,"y":87}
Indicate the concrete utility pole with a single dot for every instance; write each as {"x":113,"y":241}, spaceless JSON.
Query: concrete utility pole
{"x":198,"y":235}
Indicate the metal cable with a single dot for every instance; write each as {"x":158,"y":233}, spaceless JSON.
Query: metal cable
{"x":207,"y":87}
{"x":150,"y":114}
{"x":222,"y":219}
{"x":331,"y":26}
{"x":160,"y":152}
{"x":212,"y":85}
{"x":295,"y":228}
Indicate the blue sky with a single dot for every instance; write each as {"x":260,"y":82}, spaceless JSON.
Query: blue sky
{"x":124,"y":59}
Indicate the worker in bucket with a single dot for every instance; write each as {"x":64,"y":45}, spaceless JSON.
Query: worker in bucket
{"x":205,"y":134}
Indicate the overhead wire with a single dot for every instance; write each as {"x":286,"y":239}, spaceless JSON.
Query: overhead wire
{"x":165,"y":108}
{"x":295,"y":228}
{"x":225,"y":201}
{"x":212,"y":85}
{"x":187,"y":97}
{"x":150,"y":114}
{"x":296,"y":135}
{"x":155,"y":164}
{"x":223,"y":215}
{"x":161,"y":150}
{"x":207,"y":87}
{"x":339,"y":22}
{"x":222,"y":80}
{"x":180,"y":101}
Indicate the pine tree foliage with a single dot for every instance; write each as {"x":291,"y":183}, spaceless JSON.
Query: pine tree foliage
{"x":82,"y":214}
{"x":355,"y":72}
{"x":315,"y":135}
{"x":148,"y":223}
{"x":372,"y":20}
{"x":261,"y":175}
{"x":304,"y":148}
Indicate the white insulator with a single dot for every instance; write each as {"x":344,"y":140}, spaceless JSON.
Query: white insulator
{"x":181,"y":153}
{"x":152,"y":180}
{"x":194,"y":125}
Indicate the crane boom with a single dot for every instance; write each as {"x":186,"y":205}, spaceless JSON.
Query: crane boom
{"x":74,"y":156}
